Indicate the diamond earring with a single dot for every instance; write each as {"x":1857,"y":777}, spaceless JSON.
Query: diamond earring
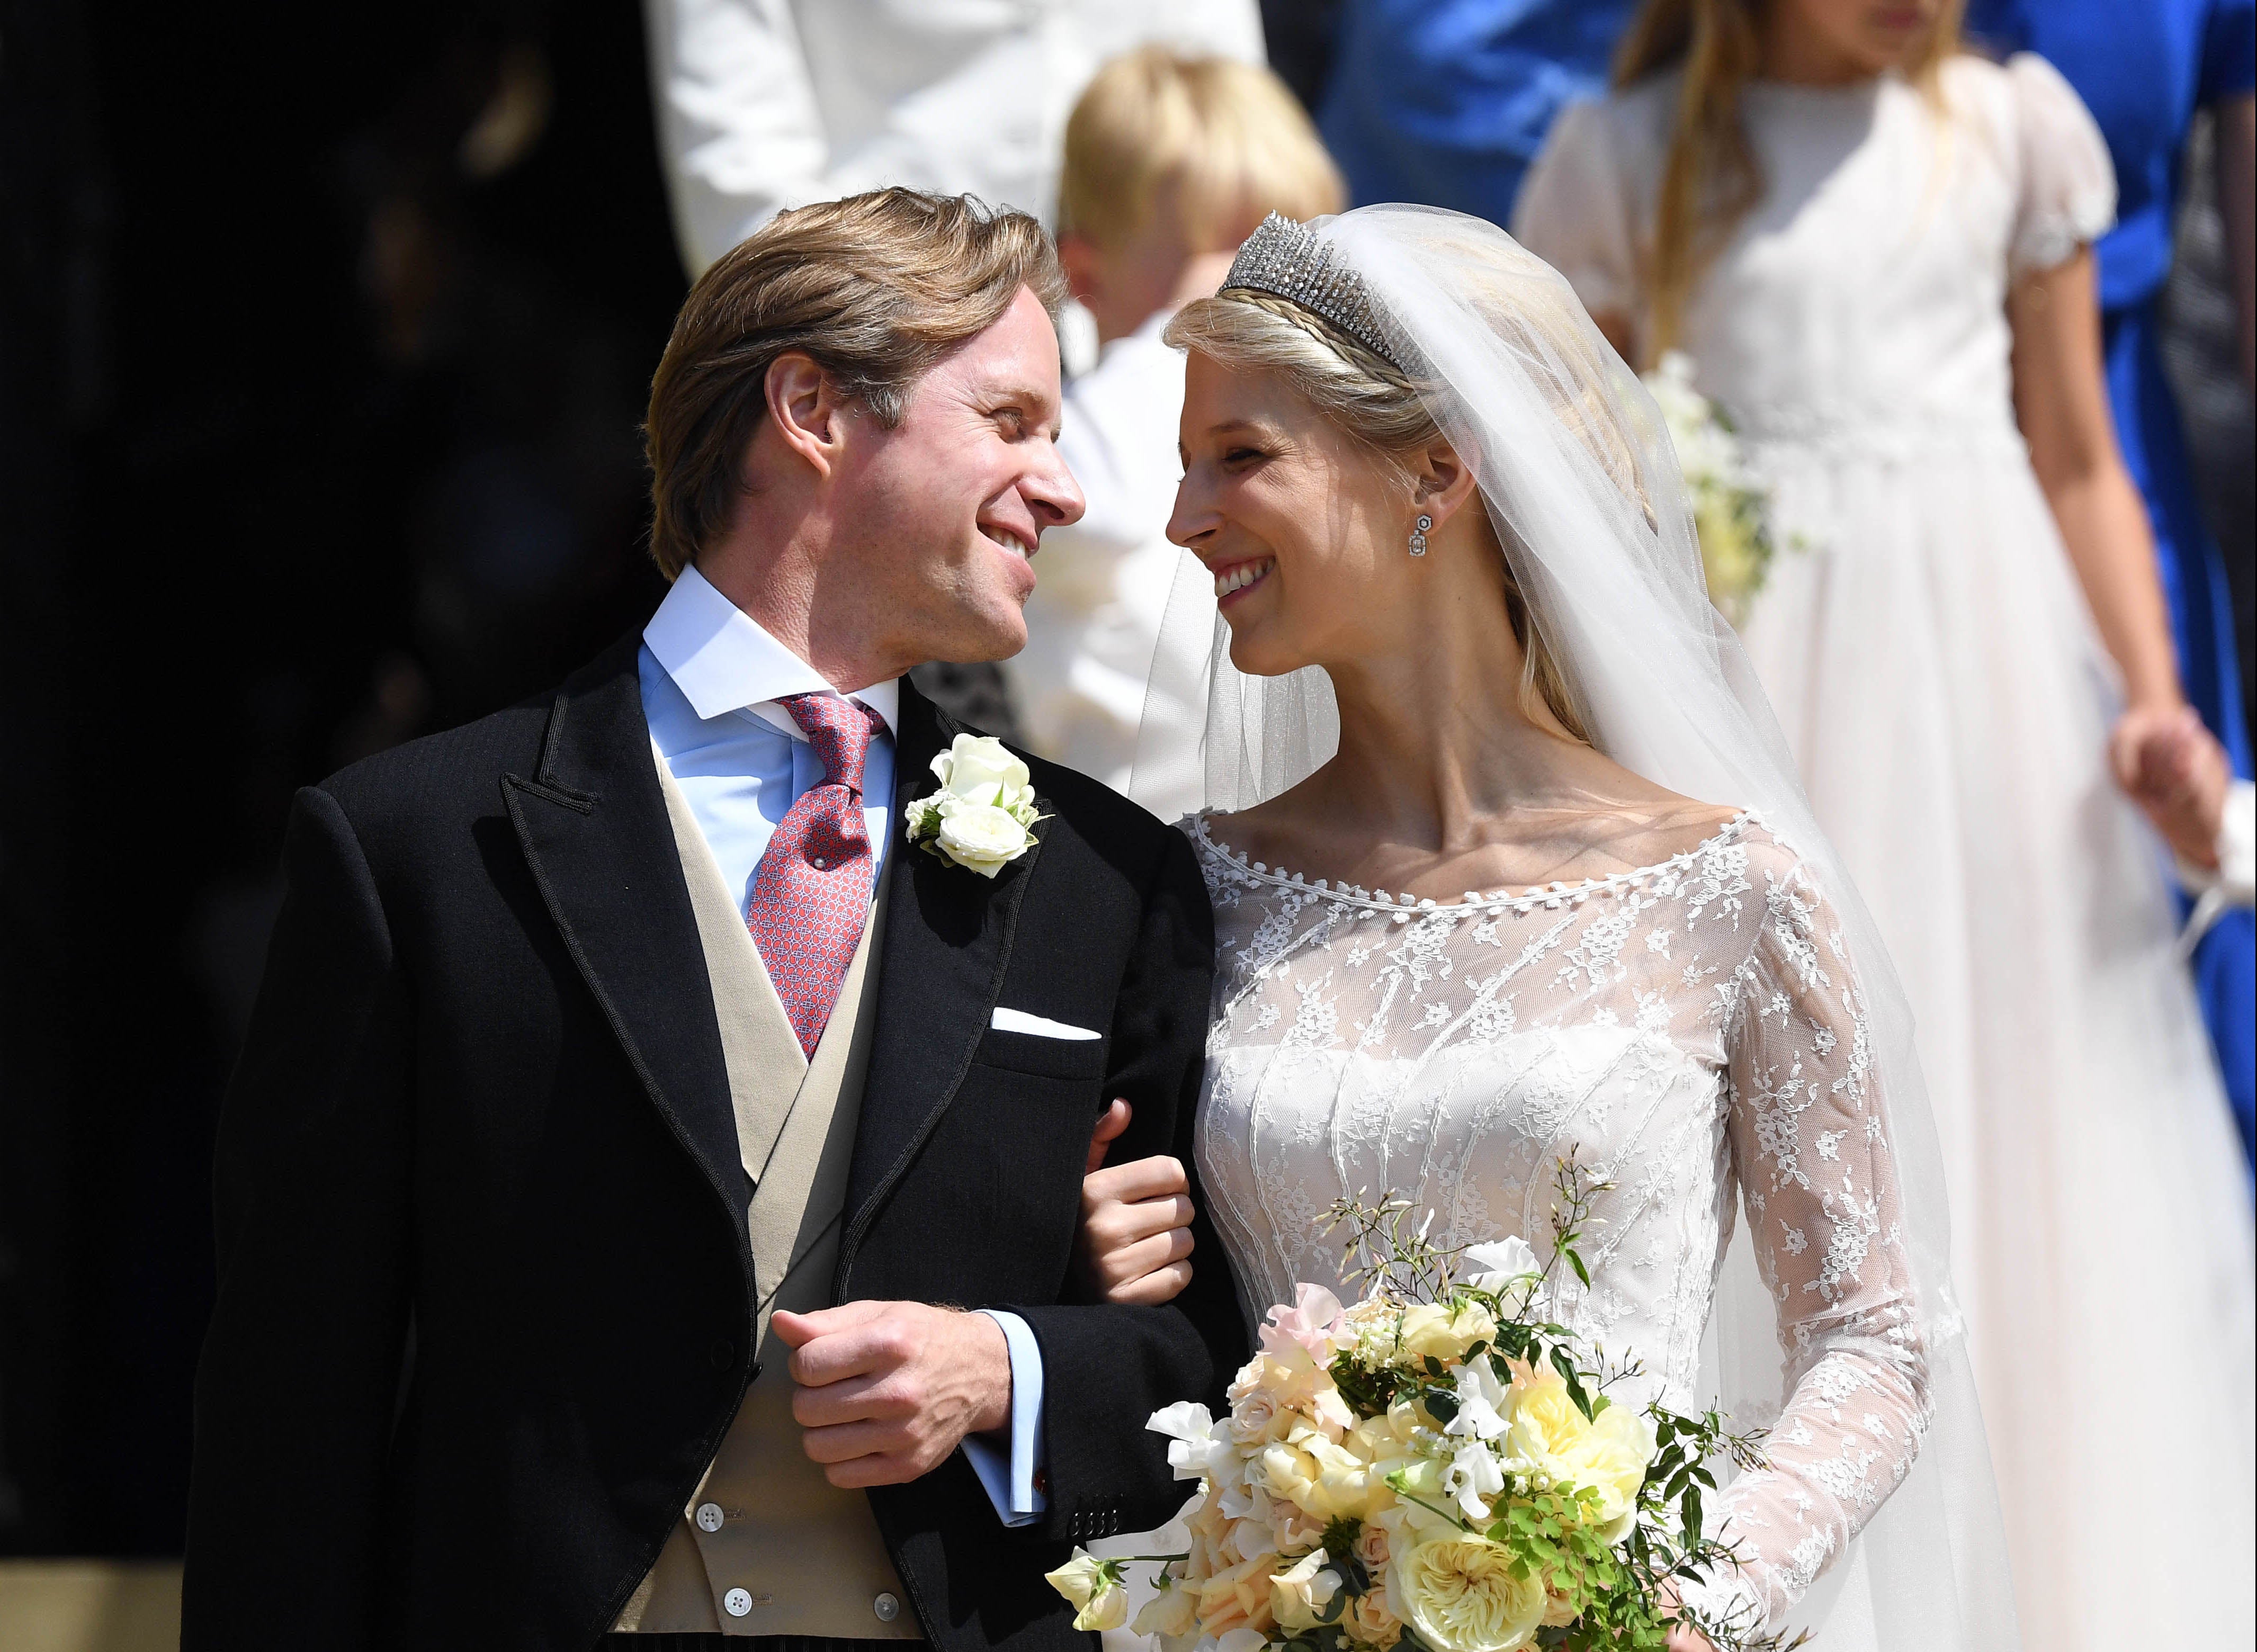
{"x":1418,"y":534}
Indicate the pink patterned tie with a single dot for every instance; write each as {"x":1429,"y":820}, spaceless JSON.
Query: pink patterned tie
{"x":811,"y":891}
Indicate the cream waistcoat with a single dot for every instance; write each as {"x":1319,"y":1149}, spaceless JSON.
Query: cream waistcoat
{"x":765,"y":1532}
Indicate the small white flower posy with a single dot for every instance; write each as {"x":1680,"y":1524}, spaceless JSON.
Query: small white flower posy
{"x":982,"y":816}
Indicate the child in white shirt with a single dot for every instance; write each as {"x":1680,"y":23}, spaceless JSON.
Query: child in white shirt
{"x":1170,"y":161}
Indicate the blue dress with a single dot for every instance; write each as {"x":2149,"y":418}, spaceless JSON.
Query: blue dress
{"x":2144,"y":67}
{"x":1445,"y":103}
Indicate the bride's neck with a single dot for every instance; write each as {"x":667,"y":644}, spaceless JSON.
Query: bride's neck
{"x":1434,"y":740}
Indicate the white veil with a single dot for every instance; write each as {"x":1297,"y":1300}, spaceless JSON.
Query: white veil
{"x":1580,"y":477}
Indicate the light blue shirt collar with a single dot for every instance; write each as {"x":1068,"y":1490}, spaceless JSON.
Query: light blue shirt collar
{"x":722,"y":660}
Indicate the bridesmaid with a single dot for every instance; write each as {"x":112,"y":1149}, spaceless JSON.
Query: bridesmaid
{"x":1878,"y":250}
{"x":2144,"y":70}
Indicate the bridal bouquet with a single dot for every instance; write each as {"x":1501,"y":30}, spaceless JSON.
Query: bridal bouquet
{"x":1732,"y":508}
{"x":1435,"y":1468}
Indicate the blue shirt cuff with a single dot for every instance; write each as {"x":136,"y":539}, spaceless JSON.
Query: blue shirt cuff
{"x":1007,"y":1475}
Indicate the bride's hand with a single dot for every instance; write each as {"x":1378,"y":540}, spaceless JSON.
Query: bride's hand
{"x":1684,"y":1638}
{"x":1134,"y":1240}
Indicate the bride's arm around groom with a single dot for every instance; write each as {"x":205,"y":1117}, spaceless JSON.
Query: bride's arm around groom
{"x":636,"y":1104}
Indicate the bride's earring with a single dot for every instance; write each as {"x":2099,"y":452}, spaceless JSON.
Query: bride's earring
{"x":1418,"y":534}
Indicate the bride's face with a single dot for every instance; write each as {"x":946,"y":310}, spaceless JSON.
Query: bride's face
{"x":1304,"y":531}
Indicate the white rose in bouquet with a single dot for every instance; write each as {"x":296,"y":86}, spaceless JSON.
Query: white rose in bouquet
{"x":1466,"y":1593}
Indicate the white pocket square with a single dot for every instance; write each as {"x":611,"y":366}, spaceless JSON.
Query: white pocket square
{"x":1041,"y":1027}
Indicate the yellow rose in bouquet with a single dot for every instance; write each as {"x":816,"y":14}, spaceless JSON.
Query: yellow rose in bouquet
{"x":1549,"y":1436}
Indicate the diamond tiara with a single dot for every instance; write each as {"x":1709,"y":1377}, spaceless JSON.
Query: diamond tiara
{"x":1288,"y":260}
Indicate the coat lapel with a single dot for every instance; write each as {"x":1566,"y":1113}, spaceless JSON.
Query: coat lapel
{"x":947,"y":943}
{"x":593,"y":825}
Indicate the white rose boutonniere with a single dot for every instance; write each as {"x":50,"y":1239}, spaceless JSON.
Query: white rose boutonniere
{"x":982,"y":816}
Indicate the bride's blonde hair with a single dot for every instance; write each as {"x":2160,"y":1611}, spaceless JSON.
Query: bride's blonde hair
{"x":1711,"y":179}
{"x":1374,"y":403}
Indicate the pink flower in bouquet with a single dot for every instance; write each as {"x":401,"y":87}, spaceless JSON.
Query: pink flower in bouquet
{"x":1312,"y":1322}
{"x":1299,"y":1387}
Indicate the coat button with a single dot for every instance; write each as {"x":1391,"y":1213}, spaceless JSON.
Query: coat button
{"x":736,"y":1603}
{"x":709,"y":1517}
{"x":886,"y":1607}
{"x":721,"y":1353}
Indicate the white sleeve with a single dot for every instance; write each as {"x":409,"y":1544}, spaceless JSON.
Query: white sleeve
{"x":1574,"y":213}
{"x":2069,"y":183}
{"x":1816,"y":1164}
{"x":739,"y":134}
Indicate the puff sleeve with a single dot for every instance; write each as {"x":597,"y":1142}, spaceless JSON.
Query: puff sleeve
{"x":2067,"y":197}
{"x":1574,"y":210}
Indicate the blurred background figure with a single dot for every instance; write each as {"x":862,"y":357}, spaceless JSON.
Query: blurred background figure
{"x":764,"y":104}
{"x":1446,"y":103}
{"x":2146,"y":72}
{"x":1877,"y":251}
{"x":1170,"y":161}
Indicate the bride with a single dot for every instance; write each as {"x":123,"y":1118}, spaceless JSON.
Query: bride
{"x":1507,"y":861}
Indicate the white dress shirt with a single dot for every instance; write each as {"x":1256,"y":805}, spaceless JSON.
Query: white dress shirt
{"x":1103,"y":584}
{"x":764,"y":104}
{"x":712,"y":679}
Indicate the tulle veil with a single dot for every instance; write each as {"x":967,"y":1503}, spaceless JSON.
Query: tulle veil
{"x":1578,"y":473}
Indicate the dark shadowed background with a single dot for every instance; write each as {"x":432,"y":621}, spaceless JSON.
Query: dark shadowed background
{"x":325,"y":339}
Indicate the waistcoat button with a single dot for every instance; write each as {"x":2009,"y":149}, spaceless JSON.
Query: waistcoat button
{"x":737,"y":1603}
{"x":709,"y":1517}
{"x":886,"y":1607}
{"x":721,"y":1353}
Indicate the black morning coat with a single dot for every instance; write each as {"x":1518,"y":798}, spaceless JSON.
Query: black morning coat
{"x":485,"y":1293}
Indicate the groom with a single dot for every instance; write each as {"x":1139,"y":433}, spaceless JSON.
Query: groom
{"x":646,"y":1196}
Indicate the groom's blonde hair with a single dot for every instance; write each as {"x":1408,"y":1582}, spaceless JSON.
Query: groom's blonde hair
{"x":876,"y":288}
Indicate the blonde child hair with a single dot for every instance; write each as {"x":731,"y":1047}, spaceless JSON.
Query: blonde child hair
{"x":1225,"y":141}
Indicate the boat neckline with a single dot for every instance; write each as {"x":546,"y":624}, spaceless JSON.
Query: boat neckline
{"x":1473,"y":899}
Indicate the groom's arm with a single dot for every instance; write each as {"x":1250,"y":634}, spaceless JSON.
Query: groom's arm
{"x":301,"y":1369}
{"x":1107,"y":1368}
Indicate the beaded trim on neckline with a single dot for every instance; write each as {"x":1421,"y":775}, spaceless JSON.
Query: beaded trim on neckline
{"x":1555,"y":894}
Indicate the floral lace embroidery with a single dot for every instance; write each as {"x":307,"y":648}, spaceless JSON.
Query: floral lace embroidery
{"x":1693,"y":1029}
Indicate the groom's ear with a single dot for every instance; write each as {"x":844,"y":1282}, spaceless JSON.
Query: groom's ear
{"x":808,"y":412}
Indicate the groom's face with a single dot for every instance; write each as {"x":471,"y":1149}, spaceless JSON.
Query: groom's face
{"x":949,"y":506}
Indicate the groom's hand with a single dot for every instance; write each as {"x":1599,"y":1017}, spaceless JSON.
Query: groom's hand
{"x":886,"y":1390}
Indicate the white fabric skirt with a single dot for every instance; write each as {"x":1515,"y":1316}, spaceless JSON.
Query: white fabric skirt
{"x":1931,"y":658}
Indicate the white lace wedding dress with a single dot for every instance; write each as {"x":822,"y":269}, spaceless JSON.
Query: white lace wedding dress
{"x":1934,"y":665}
{"x":1692,"y":1032}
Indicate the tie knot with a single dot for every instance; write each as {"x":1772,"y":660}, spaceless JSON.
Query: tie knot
{"x":840,"y":731}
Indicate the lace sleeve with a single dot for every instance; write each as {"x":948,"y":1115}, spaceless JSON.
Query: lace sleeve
{"x":1810,"y":1143}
